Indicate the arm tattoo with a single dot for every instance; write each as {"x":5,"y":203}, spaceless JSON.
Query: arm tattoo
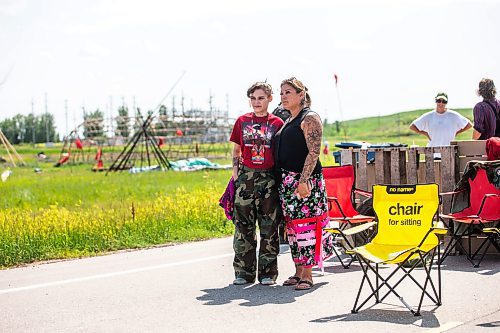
{"x":313,"y":131}
{"x":236,"y":156}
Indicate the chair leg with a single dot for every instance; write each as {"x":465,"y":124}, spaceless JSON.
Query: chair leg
{"x":354,"y":309}
{"x":437,"y":294}
{"x":351,"y":256}
{"x":340,"y":259}
{"x":380,"y":281}
{"x":379,"y":285}
{"x":483,"y":247}
{"x":348,"y":247}
{"x":427,"y":280}
{"x":458,"y":234}
{"x":438,"y":263}
{"x":488,"y":241}
{"x":365,"y":266}
{"x":455,"y":237}
{"x":407,"y":274}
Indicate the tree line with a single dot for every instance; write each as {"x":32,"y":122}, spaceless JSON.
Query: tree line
{"x":30,"y":128}
{"x":33,"y":129}
{"x":42,"y":128}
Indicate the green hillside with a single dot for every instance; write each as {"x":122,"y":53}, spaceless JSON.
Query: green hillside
{"x":392,"y":128}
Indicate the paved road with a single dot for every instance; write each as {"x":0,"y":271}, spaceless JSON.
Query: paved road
{"x":186,"y":288}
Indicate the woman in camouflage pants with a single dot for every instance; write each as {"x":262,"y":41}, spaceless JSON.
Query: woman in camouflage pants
{"x":256,"y":198}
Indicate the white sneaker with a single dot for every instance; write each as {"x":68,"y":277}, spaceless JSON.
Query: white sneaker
{"x":267,"y":282}
{"x":240,"y":281}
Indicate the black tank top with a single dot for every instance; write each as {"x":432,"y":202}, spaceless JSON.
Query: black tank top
{"x":291,"y":146}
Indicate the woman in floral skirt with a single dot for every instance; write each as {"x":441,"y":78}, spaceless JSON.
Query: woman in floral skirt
{"x":302,"y":189}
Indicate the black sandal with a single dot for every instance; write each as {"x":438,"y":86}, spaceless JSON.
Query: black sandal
{"x":308,"y":283}
{"x":292,"y":281}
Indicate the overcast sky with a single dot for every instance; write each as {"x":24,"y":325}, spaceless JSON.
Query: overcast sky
{"x":389,"y":56}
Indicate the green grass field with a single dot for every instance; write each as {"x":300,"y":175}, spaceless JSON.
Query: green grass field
{"x":71,"y":211}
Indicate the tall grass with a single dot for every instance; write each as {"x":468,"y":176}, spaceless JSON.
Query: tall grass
{"x":77,"y":186}
{"x":65,"y":213}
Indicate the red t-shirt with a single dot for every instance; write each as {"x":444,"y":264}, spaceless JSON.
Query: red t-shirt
{"x":254,"y":135}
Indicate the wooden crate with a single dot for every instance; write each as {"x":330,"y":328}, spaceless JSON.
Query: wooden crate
{"x":469,"y":150}
{"x":402,"y":165}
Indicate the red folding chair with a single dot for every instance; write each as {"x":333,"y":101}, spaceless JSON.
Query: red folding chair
{"x":475,"y":210}
{"x":340,"y":189}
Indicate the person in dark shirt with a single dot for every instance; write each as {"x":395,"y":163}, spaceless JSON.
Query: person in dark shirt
{"x":256,"y":200}
{"x":486,"y":113}
{"x":281,"y":112}
{"x":302,"y":188}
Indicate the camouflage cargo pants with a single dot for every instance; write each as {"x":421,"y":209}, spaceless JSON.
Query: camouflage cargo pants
{"x":256,"y":202}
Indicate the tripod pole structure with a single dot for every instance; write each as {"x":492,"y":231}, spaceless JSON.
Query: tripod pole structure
{"x":142,"y":136}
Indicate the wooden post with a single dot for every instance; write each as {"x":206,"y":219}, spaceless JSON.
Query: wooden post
{"x":448,"y":175}
{"x":379,"y":166}
{"x":429,"y":165}
{"x":362,"y":175}
{"x":397,"y":166}
{"x":412,"y":166}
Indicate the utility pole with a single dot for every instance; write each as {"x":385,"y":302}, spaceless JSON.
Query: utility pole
{"x":33,"y":113}
{"x":46,"y":120}
{"x":134,"y":106}
{"x":85,"y":126}
{"x":210,"y":99}
{"x":74,"y":119}
{"x":173,"y":106}
{"x":66,"y":114}
{"x":226,"y":115}
{"x":182,"y":103}
{"x":111,"y":113}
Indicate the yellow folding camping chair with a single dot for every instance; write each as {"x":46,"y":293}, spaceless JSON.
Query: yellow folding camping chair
{"x":406,"y":239}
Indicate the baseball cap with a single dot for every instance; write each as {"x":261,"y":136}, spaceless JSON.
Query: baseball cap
{"x":442,"y":95}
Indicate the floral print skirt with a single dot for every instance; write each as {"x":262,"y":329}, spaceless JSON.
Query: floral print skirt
{"x":305,"y":219}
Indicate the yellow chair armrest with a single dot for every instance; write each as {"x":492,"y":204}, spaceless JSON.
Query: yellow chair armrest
{"x":439,"y":231}
{"x":359,"y":228}
{"x":491,"y":230}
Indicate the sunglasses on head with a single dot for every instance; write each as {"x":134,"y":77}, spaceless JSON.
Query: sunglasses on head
{"x":441,"y":101}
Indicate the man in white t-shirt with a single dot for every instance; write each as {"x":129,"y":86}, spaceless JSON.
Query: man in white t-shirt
{"x":441,"y":125}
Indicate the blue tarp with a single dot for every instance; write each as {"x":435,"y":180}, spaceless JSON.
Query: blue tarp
{"x":191,"y":164}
